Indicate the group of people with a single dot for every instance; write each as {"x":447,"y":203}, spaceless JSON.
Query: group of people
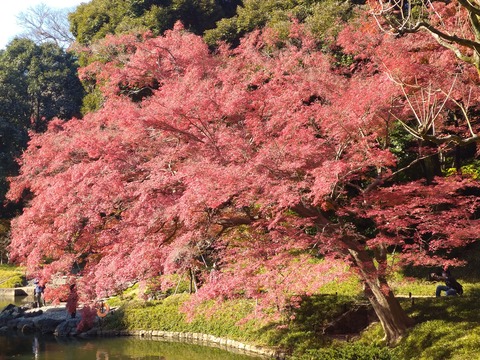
{"x":72,"y":299}
{"x":71,"y":302}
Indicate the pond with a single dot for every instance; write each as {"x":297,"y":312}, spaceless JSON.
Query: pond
{"x":16,"y":300}
{"x":19,"y":346}
{"x":37,"y":346}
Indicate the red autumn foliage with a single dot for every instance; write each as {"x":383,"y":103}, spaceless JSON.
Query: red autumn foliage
{"x":244,"y":167}
{"x":88,"y":317}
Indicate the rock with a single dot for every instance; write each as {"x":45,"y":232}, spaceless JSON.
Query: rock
{"x":48,"y":320}
{"x":89,"y":333}
{"x":33,"y":314}
{"x":67,"y":328}
{"x":47,"y":325}
{"x":18,"y":312}
{"x":4,"y":318}
{"x":9,"y":316}
{"x":29,"y":306}
{"x":27,"y":328}
{"x":8,"y":308}
{"x":23,"y":321}
{"x":12,"y":311}
{"x":12,"y":323}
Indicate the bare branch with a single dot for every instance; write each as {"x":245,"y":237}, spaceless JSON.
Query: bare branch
{"x":401,"y":18}
{"x":44,"y":24}
{"x":429,"y":110}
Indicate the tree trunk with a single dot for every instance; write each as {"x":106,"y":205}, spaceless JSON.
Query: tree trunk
{"x":193,"y":288}
{"x":393,"y":318}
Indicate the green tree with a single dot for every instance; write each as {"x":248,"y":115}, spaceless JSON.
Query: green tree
{"x":13,"y":139}
{"x":92,"y":21}
{"x":37,"y":84}
{"x":321,"y":16}
{"x":4,"y":240}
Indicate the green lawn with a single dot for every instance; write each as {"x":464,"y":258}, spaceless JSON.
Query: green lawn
{"x":446,"y":328}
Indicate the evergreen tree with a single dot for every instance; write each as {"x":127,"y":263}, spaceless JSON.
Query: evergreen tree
{"x":94,"y":20}
{"x":37,"y":84}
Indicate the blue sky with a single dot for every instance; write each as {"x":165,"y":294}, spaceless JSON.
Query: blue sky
{"x":9,"y":9}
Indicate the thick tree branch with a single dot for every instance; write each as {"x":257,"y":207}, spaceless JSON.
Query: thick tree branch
{"x":471,"y":44}
{"x":472,"y":8}
{"x":458,"y":140}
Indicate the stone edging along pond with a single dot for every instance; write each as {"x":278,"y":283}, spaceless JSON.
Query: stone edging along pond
{"x":198,"y":338}
{"x":54,"y":319}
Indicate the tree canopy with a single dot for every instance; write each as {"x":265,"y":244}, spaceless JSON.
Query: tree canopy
{"x":44,"y":24}
{"x":97,"y":18}
{"x":323,"y":18}
{"x":250,"y":166}
{"x":38,"y":83}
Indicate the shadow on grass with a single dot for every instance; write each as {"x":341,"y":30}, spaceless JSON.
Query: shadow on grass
{"x":446,"y":308}
{"x":446,"y":328}
{"x":317,"y":320}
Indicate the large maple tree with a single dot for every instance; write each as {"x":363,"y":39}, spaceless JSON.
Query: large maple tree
{"x":244,"y":167}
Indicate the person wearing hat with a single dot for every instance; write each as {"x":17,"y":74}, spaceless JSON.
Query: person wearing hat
{"x":38,"y":293}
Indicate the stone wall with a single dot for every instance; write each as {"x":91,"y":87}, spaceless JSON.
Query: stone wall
{"x":19,"y":291}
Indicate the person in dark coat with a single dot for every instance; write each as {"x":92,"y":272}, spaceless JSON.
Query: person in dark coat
{"x":451,"y":288}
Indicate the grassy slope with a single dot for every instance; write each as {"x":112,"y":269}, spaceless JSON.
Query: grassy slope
{"x":11,"y":276}
{"x":446,"y":328}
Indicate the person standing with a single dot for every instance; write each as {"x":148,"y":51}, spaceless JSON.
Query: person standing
{"x":38,"y":294}
{"x":72,"y":301}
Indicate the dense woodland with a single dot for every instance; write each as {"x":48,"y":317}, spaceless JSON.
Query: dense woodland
{"x":256,"y":147}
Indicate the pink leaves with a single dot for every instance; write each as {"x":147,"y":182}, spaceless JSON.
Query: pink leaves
{"x":221,"y":141}
{"x":233,"y":166}
{"x":424,"y":219}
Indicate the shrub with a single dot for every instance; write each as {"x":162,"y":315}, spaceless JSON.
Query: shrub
{"x":11,"y":276}
{"x":88,"y":319}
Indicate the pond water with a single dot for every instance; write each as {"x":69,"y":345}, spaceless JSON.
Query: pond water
{"x":17,"y":300}
{"x":17,"y":346}
{"x":37,"y":346}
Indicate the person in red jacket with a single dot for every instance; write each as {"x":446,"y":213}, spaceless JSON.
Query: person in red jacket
{"x":72,"y":301}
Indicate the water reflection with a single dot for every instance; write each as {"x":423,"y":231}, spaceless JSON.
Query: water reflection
{"x":19,"y":346}
{"x":15,"y":300}
{"x":36,"y":346}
